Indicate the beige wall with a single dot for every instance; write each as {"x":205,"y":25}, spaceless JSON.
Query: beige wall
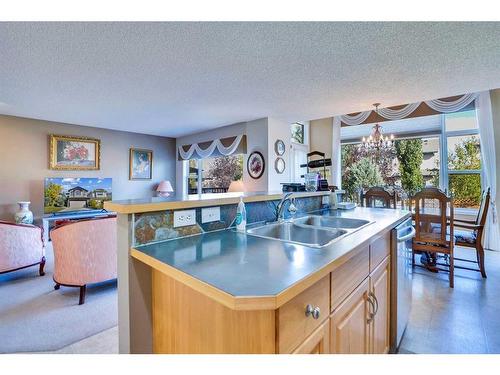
{"x":321,"y":138}
{"x":320,"y":135}
{"x":24,"y":161}
{"x":495,"y":109}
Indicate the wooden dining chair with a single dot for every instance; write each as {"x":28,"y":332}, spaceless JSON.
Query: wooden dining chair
{"x":472,"y":236}
{"x":433,"y":217}
{"x":378,"y":197}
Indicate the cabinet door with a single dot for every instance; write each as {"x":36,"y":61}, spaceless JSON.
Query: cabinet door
{"x":349,"y":333}
{"x":318,"y":342}
{"x":380,"y":288}
{"x":293,"y":325}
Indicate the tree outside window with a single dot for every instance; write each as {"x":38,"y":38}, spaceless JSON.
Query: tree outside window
{"x":297,"y":130}
{"x":399,"y":167}
{"x":464,"y":166}
{"x":216,"y":174}
{"x":221,"y":171}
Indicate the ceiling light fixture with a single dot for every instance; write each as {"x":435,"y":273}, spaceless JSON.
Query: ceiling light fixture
{"x":376,"y":140}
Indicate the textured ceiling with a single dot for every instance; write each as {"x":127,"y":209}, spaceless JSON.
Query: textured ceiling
{"x":174,"y":79}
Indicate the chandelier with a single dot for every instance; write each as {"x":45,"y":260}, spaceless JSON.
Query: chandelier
{"x":376,"y":140}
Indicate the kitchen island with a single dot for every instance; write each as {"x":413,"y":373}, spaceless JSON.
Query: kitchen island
{"x":223,"y":291}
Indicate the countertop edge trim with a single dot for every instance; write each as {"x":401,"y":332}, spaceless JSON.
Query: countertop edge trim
{"x":124,"y":208}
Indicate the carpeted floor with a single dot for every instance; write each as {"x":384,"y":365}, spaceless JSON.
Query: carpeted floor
{"x":35,"y":318}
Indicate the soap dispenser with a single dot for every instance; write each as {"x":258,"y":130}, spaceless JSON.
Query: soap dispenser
{"x":333,"y":200}
{"x":241,"y":216}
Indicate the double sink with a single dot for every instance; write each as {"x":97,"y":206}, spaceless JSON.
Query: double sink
{"x":313,"y":230}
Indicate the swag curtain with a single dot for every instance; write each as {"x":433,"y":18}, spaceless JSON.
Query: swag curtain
{"x":223,"y":146}
{"x":485,"y":123}
{"x":438,"y":105}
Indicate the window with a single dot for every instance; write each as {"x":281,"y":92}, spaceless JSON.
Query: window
{"x":464,"y":170}
{"x":192,"y":180}
{"x":450,"y":151}
{"x":362,"y":168}
{"x":431,"y":161}
{"x":298,"y":133}
{"x":214,"y":175}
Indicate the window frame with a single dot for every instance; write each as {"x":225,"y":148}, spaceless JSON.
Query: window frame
{"x":305,"y":133}
{"x":295,"y":146}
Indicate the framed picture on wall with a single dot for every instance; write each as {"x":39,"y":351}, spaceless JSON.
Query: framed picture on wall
{"x":140,"y":164}
{"x":74,"y":153}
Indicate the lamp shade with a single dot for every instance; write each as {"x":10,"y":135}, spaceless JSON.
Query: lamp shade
{"x":236,"y":186}
{"x":164,"y":188}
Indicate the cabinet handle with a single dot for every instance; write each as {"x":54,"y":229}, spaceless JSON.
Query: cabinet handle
{"x":376,"y":302}
{"x":371,"y":314}
{"x":314,"y":311}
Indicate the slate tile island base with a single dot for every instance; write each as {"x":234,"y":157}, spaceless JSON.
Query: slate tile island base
{"x":222,"y":291}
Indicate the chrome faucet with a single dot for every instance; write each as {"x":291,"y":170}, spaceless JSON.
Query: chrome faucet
{"x":281,"y":205}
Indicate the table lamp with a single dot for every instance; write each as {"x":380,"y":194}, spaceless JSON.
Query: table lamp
{"x":164,"y":189}
{"x":236,"y":186}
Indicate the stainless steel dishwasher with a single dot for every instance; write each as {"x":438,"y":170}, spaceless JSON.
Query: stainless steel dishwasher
{"x":401,"y":280}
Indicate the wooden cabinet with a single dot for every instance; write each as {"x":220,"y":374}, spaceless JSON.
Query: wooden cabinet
{"x":318,"y":342}
{"x":293,"y":324}
{"x":348,"y":276}
{"x":379,"y":250}
{"x":361,"y":323}
{"x":346,"y":312}
{"x":380,"y":291}
{"x":348,"y":323}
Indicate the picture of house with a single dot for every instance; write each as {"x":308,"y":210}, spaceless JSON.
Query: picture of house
{"x":74,"y":194}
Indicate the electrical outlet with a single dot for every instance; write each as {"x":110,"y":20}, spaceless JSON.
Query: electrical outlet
{"x":325,"y":199}
{"x":184,"y":218}
{"x":210,"y":214}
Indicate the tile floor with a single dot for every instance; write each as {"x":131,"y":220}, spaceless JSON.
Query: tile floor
{"x":462,"y":320}
{"x":465,"y":319}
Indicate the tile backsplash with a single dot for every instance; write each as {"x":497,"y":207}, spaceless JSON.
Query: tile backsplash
{"x":159,"y":226}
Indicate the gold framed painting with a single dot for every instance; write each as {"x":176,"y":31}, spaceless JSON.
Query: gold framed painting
{"x":140,"y":164}
{"x":74,"y":153}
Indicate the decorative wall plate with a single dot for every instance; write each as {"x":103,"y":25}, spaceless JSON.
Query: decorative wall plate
{"x":279,"y":165}
{"x":279,"y":147}
{"x":256,"y":165}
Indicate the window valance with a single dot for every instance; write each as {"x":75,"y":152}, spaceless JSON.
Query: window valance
{"x":216,"y":147}
{"x":401,"y":112}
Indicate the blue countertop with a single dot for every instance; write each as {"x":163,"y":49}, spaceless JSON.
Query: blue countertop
{"x":246,"y":266}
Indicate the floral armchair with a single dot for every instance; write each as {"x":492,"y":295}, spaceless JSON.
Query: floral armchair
{"x":21,"y":246}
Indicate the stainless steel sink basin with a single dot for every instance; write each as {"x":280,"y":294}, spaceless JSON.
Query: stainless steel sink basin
{"x":332,"y":222}
{"x":303,"y":235}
